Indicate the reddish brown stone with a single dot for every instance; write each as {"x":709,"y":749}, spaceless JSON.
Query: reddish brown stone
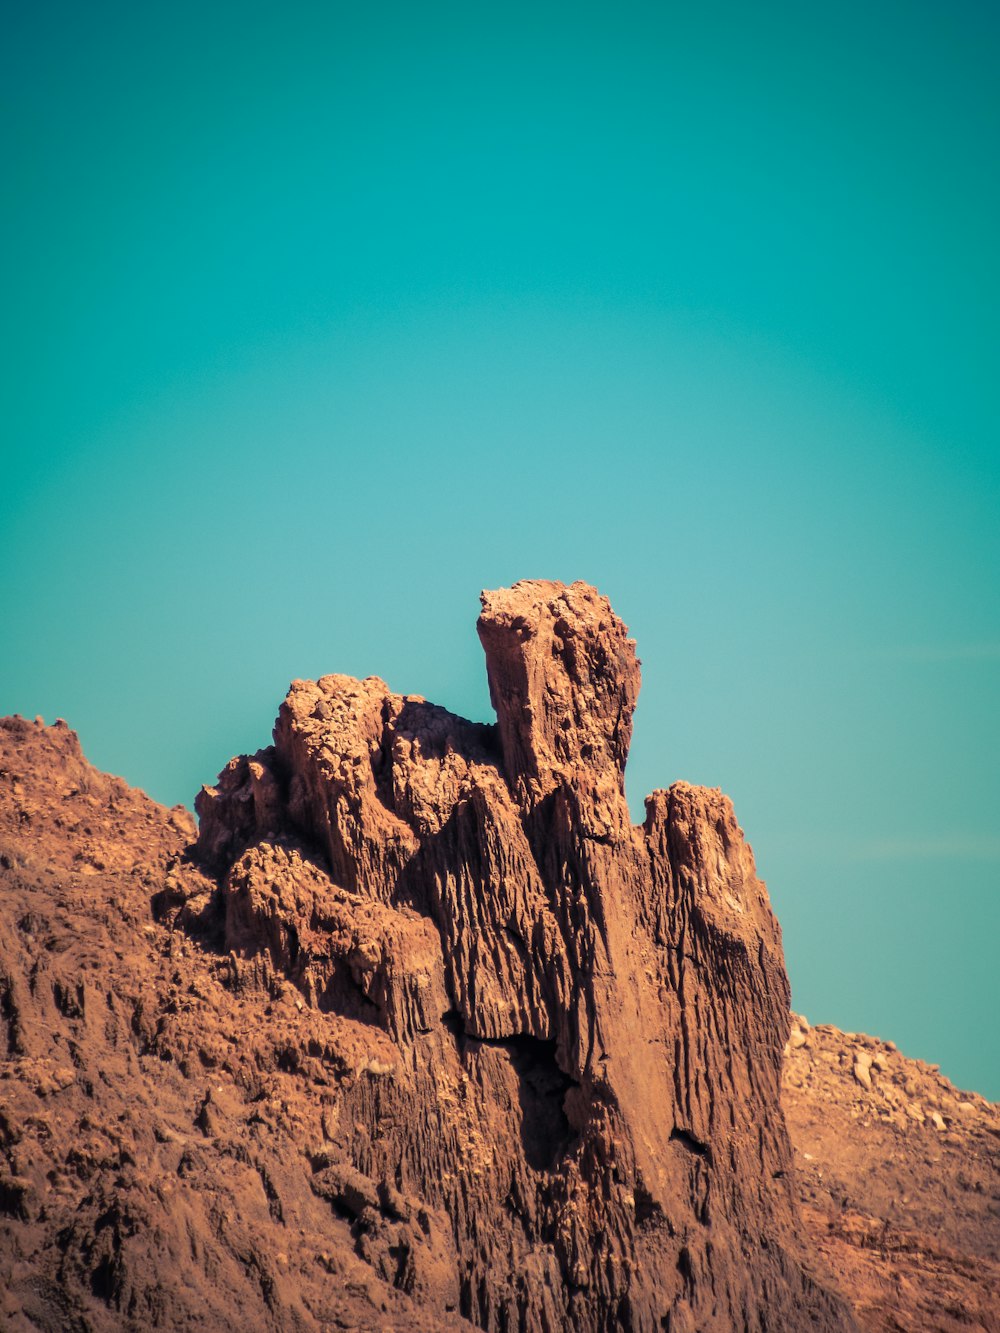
{"x":422,"y":1030}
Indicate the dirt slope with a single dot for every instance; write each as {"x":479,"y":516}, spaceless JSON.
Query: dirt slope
{"x":899,"y":1177}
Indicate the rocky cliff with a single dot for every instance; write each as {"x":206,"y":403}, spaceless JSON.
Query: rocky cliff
{"x":420,"y":1031}
{"x":587,"y":1018}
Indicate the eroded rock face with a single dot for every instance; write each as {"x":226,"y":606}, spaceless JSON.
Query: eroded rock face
{"x":586,"y":1018}
{"x":238,"y":1105}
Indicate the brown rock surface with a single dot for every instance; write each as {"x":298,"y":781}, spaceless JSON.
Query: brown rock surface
{"x":899,"y":1180}
{"x":164,"y":1108}
{"x":421,"y":1031}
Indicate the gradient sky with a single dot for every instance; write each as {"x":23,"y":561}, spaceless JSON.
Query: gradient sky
{"x":320,"y":318}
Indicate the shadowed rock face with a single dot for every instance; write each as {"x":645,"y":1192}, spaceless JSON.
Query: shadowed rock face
{"x":585,"y":1019}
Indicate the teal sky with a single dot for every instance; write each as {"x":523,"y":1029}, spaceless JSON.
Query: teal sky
{"x":320,"y":318}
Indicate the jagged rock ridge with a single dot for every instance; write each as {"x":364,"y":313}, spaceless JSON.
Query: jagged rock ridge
{"x":582,"y":1021}
{"x":186,"y":1143}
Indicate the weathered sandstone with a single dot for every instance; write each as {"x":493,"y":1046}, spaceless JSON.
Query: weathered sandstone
{"x":604,"y":1004}
{"x":420,"y":1031}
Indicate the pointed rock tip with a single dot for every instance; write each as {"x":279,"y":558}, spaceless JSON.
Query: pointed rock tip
{"x":564,"y":678}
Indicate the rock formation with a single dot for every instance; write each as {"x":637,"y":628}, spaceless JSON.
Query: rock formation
{"x":587,"y":1017}
{"x":420,"y":1032}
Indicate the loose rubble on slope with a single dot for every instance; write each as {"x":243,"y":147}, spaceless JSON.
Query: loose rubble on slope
{"x":422,"y":1032}
{"x":899,"y":1176}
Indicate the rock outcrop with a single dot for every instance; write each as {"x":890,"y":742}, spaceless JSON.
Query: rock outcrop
{"x":165,"y":1118}
{"x":420,"y":1032}
{"x":587,"y":1018}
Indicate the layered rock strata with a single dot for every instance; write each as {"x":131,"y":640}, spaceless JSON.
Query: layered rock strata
{"x":580,"y":1022}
